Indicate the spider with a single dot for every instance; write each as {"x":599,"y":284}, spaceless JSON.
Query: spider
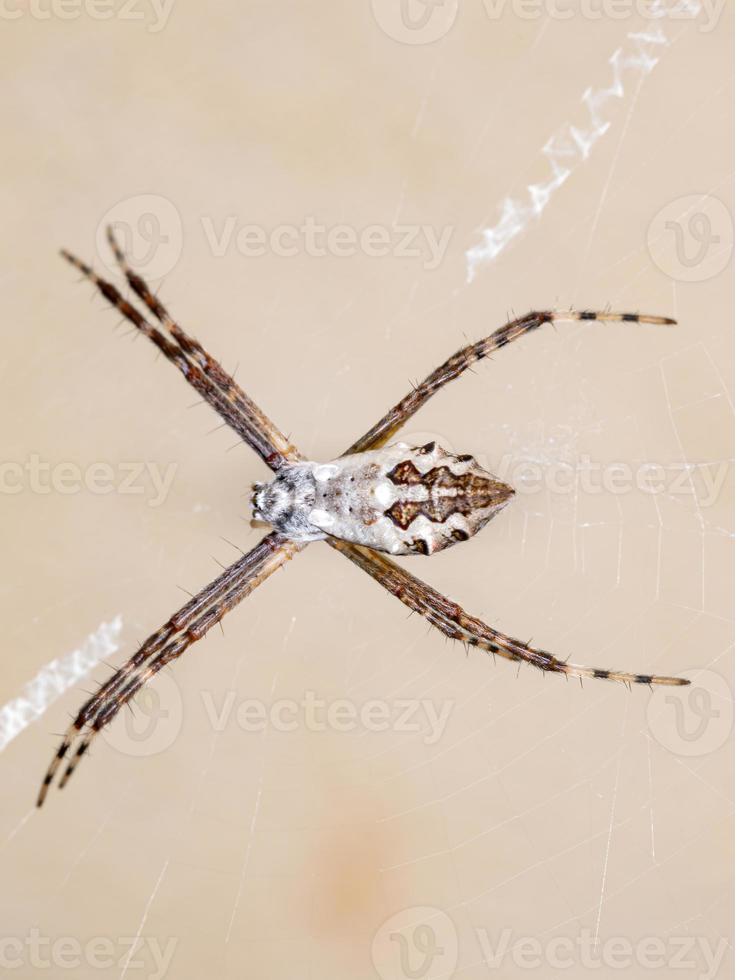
{"x":375,"y":499}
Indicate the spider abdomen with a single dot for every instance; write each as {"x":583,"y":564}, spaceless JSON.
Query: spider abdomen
{"x":399,"y":499}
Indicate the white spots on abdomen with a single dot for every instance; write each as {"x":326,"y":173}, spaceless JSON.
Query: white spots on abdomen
{"x":385,"y":494}
{"x":325,"y":471}
{"x":321,"y":518}
{"x":397,"y":499}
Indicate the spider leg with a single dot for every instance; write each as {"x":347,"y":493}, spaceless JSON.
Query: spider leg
{"x":397,"y":416}
{"x":185,"y":627}
{"x":454,"y":622}
{"x":236,"y":413}
{"x":194,"y":350}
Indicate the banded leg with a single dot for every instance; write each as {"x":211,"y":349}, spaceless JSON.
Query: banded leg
{"x":454,"y":622}
{"x":185,"y":627}
{"x":194,"y":350}
{"x":393,"y":420}
{"x":237,"y":416}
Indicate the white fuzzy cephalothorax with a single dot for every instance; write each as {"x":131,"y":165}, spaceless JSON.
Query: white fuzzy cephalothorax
{"x":400,"y":499}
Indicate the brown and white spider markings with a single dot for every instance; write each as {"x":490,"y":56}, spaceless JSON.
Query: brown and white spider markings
{"x":375,"y":499}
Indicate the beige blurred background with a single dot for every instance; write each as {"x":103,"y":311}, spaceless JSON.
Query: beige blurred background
{"x":479,"y":821}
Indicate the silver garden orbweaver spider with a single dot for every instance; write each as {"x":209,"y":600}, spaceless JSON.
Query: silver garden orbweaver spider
{"x":376,"y":499}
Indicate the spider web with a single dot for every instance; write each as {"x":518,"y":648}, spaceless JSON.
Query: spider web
{"x":521,"y":822}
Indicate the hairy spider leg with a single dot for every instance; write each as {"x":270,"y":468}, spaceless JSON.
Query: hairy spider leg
{"x":448,"y":617}
{"x":397,"y":417}
{"x":185,"y":627}
{"x":236,"y":415}
{"x":212,"y":368}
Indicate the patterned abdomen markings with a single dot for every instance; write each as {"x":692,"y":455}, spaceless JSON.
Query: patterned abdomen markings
{"x":399,"y":499}
{"x":447,"y":493}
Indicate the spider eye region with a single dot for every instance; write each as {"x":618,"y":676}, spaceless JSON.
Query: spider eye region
{"x":287,"y":502}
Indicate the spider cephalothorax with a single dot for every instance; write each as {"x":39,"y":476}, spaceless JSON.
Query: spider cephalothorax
{"x":374,"y":498}
{"x":400,"y":499}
